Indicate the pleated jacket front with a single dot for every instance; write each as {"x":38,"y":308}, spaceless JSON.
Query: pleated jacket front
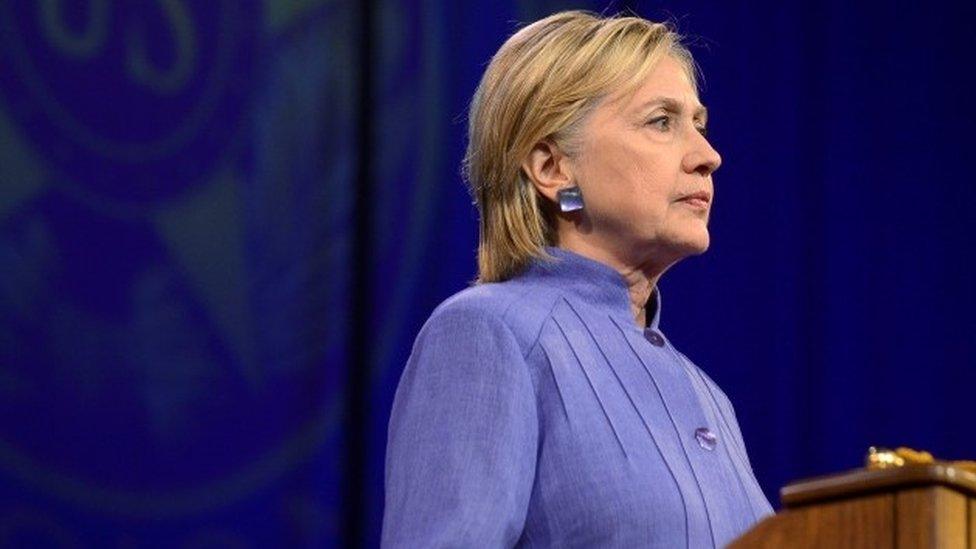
{"x":536,"y":413}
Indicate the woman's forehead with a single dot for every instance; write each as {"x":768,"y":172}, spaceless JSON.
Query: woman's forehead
{"x":668,"y":78}
{"x":677,"y":100}
{"x":666,"y":84}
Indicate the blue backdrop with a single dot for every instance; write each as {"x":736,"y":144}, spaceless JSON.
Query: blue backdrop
{"x":222,"y":224}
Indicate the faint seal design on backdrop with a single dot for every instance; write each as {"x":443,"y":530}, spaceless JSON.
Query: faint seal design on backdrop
{"x":131,"y":375}
{"x":135,"y":100}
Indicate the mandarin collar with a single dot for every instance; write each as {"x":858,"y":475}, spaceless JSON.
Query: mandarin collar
{"x":594,"y":282}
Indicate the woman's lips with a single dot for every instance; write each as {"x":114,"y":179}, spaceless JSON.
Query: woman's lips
{"x":695,"y":202}
{"x":699,"y":200}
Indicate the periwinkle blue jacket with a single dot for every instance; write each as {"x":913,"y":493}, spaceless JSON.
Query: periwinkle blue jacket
{"x":536,"y":413}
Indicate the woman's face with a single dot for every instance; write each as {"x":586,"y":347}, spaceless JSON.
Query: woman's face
{"x":645,"y":170}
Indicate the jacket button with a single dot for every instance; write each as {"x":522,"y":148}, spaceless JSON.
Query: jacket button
{"x":655,"y":338}
{"x":706,"y":438}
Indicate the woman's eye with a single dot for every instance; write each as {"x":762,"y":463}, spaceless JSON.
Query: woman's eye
{"x":661,"y":122}
{"x":666,"y":123}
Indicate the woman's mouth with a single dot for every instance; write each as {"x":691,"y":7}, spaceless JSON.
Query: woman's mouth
{"x":699,"y":200}
{"x":696,"y":202}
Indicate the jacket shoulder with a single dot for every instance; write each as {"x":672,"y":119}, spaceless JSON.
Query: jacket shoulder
{"x":519,"y":306}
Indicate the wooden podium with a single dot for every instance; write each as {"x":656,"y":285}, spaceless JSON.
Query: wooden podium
{"x":915,"y":506}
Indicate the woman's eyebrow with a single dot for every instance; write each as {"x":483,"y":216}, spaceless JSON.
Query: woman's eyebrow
{"x":673,"y":105}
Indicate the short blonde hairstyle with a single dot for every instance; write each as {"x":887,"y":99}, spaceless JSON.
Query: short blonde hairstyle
{"x":541,"y":84}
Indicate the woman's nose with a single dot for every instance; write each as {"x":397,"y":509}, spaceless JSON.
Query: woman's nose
{"x":703,"y":158}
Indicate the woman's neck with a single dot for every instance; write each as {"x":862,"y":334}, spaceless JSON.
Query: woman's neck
{"x":640,"y":285}
{"x":641,"y":278}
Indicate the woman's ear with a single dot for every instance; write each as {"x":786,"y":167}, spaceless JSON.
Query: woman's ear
{"x":548,"y":168}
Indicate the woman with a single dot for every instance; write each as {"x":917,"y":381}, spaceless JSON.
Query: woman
{"x":544,"y":407}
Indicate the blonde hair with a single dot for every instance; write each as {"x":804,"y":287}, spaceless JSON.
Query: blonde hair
{"x":541,"y":84}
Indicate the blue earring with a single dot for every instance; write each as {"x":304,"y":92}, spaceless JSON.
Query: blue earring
{"x":570,"y":199}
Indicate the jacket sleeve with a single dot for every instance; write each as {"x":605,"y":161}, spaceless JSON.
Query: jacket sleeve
{"x":463,"y":437}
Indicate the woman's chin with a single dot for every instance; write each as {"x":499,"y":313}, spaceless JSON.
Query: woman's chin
{"x":693,"y":244}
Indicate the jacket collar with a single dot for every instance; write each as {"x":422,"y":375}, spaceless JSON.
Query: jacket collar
{"x":593,"y":282}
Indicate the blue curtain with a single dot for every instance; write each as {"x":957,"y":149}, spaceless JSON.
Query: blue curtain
{"x":223,"y":223}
